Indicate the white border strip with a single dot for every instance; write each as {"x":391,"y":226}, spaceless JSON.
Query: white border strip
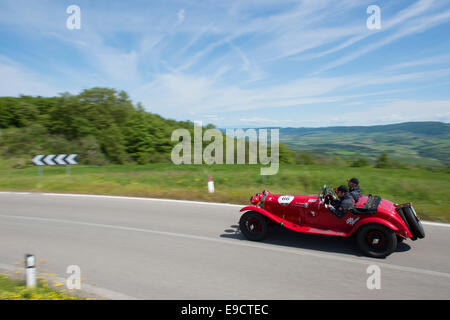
{"x":430,"y":223}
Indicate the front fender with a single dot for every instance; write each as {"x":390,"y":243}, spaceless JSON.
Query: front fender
{"x":364,"y":221}
{"x":264,"y":213}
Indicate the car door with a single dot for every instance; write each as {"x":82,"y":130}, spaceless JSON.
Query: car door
{"x":313,"y":215}
{"x":330,"y":222}
{"x":317,"y":216}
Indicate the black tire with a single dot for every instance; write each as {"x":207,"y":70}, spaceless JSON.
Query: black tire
{"x":376,"y":240}
{"x":414,"y":224}
{"x":253,"y":226}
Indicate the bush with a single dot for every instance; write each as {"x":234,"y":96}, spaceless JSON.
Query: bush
{"x":383,"y":161}
{"x":19,"y":163}
{"x":360,"y":162}
{"x":304,"y":158}
{"x":89,"y":151}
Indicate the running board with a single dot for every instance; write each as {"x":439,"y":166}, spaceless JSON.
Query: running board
{"x":304,"y":229}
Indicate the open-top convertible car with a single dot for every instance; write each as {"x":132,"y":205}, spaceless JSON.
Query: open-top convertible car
{"x":378,"y":224}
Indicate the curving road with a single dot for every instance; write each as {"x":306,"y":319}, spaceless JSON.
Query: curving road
{"x":165,"y":249}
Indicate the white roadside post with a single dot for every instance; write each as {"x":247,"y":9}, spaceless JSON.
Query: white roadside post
{"x":30,"y":270}
{"x":210,"y":184}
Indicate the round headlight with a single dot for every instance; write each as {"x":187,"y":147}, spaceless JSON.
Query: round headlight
{"x":254,"y":200}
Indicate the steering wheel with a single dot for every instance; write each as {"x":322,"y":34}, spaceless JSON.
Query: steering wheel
{"x":328,"y":198}
{"x":323,"y":194}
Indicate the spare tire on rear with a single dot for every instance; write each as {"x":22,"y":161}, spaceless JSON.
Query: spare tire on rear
{"x":413,"y":223}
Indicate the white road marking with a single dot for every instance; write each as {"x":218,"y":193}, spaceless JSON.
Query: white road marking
{"x":270,"y":247}
{"x":430,"y":223}
{"x":124,"y":198}
{"x":435,"y":224}
{"x":18,"y":193}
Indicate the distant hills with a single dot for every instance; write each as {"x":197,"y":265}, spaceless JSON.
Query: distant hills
{"x":418,"y":143}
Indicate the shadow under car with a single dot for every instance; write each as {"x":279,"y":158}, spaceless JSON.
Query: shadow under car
{"x":284,"y":237}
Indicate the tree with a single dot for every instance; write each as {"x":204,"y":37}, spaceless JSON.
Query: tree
{"x":89,"y":151}
{"x":112,"y":144}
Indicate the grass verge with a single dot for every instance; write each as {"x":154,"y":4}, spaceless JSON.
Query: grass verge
{"x":235,"y":183}
{"x":17,"y":290}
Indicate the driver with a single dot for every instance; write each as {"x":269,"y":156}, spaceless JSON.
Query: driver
{"x":342,"y":204}
{"x":354,"y":189}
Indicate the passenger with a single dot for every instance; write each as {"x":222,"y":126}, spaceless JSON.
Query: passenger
{"x":354,"y":189}
{"x":342,"y":204}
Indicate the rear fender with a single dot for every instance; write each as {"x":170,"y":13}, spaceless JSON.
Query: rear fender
{"x":383,"y":222}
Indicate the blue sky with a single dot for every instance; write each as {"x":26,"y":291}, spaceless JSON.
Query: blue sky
{"x":252,"y":63}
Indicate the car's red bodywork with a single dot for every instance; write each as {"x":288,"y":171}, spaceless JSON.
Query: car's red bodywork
{"x":308,"y":214}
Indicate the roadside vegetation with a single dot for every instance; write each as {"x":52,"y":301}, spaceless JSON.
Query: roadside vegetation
{"x":235,"y":183}
{"x":17,"y":290}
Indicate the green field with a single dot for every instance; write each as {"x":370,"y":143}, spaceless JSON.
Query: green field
{"x":428,"y":190}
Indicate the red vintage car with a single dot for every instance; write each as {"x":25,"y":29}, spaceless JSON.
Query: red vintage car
{"x":378,"y":224}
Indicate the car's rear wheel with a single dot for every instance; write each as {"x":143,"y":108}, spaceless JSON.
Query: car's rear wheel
{"x":376,"y":240}
{"x":253,"y":226}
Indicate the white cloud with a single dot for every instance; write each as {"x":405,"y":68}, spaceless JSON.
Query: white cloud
{"x":417,"y":26}
{"x":117,"y":65}
{"x":180,"y":16}
{"x":214,"y":117}
{"x":175,"y":93}
{"x":433,"y":60}
{"x":263,"y":120}
{"x":399,"y":111}
{"x":16,"y":79}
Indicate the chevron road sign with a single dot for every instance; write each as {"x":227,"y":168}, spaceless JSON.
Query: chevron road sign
{"x":53,"y":159}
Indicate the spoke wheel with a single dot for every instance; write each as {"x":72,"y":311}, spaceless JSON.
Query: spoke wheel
{"x":253,"y":226}
{"x":376,"y":240}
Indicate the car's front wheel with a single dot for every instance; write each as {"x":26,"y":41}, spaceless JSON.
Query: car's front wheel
{"x":253,"y":226}
{"x":376,"y":240}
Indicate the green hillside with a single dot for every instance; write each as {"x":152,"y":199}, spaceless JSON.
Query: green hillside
{"x":416,"y":143}
{"x":101,"y":125}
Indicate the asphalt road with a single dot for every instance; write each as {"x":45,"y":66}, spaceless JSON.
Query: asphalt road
{"x":163,"y":249}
